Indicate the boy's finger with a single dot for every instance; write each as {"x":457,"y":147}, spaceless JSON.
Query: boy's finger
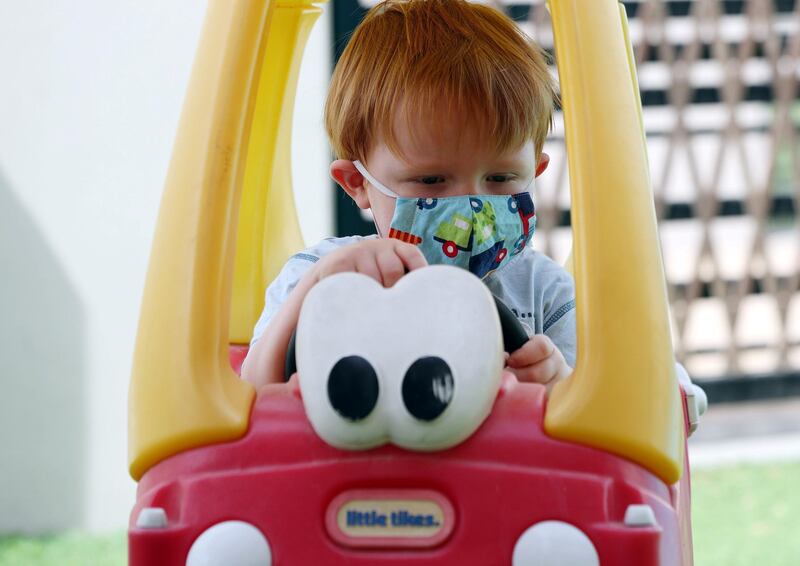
{"x":410,"y":255}
{"x":538,"y":348}
{"x":335,"y":264}
{"x":366,"y":264}
{"x":542,"y":372}
{"x":390,"y":266}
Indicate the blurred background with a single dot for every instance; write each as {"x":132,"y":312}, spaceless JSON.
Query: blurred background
{"x":90,"y":96}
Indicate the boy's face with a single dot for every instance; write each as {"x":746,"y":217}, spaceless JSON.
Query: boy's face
{"x":447,"y":157}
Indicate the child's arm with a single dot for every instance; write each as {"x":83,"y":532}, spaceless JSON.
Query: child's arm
{"x":265,"y":360}
{"x":386,"y":261}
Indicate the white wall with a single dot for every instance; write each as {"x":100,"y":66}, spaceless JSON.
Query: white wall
{"x":90,"y":95}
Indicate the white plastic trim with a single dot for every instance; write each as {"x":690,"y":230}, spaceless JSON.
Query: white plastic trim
{"x":152,"y":518}
{"x":701,"y":399}
{"x":640,"y":515}
{"x":696,"y":399}
{"x":554,"y":543}
{"x":230,"y":543}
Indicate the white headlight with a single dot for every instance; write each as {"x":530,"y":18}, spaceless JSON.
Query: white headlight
{"x":554,"y":543}
{"x":230,"y":543}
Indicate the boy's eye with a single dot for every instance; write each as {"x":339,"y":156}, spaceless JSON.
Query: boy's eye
{"x":431,"y":180}
{"x":499,"y":178}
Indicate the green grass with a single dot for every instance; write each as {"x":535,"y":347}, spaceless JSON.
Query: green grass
{"x":747,"y":515}
{"x":72,"y":549}
{"x":742,"y":516}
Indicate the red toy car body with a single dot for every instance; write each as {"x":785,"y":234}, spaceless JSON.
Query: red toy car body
{"x":281,"y":475}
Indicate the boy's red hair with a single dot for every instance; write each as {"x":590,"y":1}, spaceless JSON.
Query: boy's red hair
{"x":426,"y":56}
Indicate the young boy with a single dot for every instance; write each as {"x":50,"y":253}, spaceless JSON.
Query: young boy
{"x":438,"y":111}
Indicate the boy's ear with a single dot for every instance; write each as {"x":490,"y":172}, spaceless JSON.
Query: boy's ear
{"x":345,"y":173}
{"x":541,"y":165}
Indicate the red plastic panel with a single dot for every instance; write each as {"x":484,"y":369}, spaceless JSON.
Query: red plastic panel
{"x":508,"y":476}
{"x":236,"y":354}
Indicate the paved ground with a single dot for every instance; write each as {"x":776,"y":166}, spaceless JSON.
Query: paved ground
{"x":755,"y":432}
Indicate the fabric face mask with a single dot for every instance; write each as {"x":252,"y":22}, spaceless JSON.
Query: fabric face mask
{"x":480,"y":233}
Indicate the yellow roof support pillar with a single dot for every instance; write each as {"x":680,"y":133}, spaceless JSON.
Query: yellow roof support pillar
{"x":269,"y":231}
{"x":183,"y":392}
{"x":623,"y":396}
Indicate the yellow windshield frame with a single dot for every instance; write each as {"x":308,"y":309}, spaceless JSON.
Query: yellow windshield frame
{"x":623,"y":396}
{"x":232,"y":148}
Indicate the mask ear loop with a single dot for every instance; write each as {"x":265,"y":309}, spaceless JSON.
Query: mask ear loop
{"x":373,"y":181}
{"x":531,"y":184}
{"x":378,"y":185}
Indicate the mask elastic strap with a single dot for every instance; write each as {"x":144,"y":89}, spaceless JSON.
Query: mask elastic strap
{"x":373,"y":181}
{"x":530,"y":184}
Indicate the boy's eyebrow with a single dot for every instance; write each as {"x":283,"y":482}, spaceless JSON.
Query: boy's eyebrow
{"x":512,"y":163}
{"x":421,"y":167}
{"x":431,"y":167}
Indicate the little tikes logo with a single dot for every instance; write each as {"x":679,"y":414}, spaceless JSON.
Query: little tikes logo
{"x":403,"y":516}
{"x":390,"y":518}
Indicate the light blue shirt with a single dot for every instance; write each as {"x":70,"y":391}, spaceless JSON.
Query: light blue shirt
{"x":539,"y":292}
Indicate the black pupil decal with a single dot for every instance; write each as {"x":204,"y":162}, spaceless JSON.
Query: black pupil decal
{"x":353,"y":388}
{"x":428,"y":388}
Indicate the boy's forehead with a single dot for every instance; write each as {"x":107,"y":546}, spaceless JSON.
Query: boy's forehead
{"x":435,"y":132}
{"x":439,"y":134}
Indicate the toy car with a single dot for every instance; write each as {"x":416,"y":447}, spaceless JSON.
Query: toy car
{"x":417,"y":449}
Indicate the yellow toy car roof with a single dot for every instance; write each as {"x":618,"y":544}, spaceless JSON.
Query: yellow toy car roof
{"x":228,"y":210}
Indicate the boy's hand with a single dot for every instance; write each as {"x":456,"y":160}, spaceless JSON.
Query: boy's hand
{"x":385,"y":260}
{"x":539,"y":361}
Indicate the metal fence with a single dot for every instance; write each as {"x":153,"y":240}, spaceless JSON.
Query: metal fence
{"x":721,"y":102}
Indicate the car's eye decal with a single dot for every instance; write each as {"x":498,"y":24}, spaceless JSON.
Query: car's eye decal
{"x":353,"y":388}
{"x":428,"y":388}
{"x":417,"y":365}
